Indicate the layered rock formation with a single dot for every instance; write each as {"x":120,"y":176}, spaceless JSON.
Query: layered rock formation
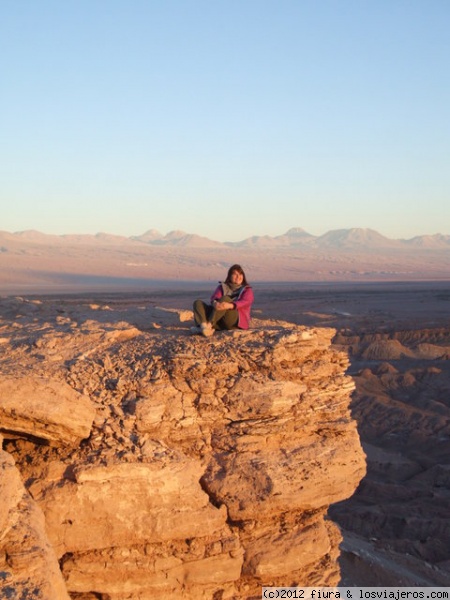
{"x":141,"y":462}
{"x":397,"y":523}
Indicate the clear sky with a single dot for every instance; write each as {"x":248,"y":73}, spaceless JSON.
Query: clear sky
{"x":225,"y":118}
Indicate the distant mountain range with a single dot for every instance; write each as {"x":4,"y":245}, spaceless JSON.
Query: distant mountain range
{"x":295,"y":237}
{"x":31,"y":260}
{"x":337,"y":238}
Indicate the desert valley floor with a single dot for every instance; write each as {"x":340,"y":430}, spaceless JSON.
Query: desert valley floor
{"x":396,"y":526}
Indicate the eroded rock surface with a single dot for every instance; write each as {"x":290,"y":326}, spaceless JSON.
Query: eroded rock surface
{"x":191,"y":467}
{"x":397,"y":523}
{"x":28,"y":564}
{"x":44,"y":408}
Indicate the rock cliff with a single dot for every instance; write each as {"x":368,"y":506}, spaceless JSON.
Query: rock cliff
{"x":141,"y":462}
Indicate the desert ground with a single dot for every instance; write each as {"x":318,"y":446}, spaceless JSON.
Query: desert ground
{"x":395,"y":527}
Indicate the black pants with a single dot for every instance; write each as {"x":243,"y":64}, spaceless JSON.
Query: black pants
{"x":219,"y":319}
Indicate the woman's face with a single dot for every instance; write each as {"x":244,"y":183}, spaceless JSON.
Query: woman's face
{"x":236,"y":277}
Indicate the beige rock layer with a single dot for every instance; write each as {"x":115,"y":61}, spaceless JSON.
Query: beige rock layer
{"x":137,"y":502}
{"x":28,"y":564}
{"x":46,"y":409}
{"x":209,"y":464}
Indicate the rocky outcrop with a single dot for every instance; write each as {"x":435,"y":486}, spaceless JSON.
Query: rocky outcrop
{"x":45,"y":409}
{"x":28,"y":564}
{"x":191,"y":467}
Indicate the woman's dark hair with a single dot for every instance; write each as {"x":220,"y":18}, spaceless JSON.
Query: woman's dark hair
{"x":240,"y":270}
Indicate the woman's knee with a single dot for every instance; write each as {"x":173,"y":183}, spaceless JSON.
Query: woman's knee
{"x":198,"y":304}
{"x":230,"y":320}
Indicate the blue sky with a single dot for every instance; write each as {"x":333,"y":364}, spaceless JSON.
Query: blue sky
{"x":225,"y":118}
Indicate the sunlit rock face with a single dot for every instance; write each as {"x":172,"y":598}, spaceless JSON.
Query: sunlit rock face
{"x":142,"y":462}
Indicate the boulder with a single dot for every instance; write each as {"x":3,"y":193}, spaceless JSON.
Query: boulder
{"x":46,"y":409}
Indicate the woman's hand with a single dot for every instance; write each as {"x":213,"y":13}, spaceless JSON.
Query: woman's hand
{"x":223,"y":305}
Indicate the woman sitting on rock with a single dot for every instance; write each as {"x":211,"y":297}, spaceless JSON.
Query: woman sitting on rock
{"x":230,"y":305}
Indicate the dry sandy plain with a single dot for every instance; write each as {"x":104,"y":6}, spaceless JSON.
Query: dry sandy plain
{"x":396,"y":526}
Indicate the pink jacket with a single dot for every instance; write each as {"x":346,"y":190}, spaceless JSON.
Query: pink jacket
{"x":243,"y":304}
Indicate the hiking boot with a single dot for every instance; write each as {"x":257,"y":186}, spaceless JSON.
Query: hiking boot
{"x":206,"y":329}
